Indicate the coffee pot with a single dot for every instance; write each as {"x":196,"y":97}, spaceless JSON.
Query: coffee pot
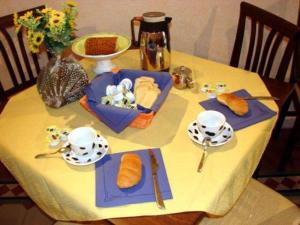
{"x":153,"y":40}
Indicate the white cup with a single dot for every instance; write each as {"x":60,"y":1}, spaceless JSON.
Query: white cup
{"x":82,"y":140}
{"x":210,"y":123}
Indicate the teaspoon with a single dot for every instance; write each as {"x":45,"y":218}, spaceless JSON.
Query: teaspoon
{"x":60,"y":150}
{"x":205,"y":143}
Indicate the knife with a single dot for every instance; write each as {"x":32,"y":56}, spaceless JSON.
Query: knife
{"x":261,"y":97}
{"x":154,"y":167}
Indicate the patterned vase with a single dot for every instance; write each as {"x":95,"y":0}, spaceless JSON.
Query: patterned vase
{"x":61,"y":82}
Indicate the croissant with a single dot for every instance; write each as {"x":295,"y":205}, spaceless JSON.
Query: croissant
{"x":238,"y":105}
{"x":130,"y":171}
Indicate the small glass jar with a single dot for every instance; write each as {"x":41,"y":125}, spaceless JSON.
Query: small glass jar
{"x":182,"y":77}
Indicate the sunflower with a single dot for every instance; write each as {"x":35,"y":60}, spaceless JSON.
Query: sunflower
{"x":16,"y":19}
{"x":27,"y":16}
{"x":38,"y":38}
{"x":33,"y":48}
{"x":46,"y":10}
{"x":55,"y":22}
{"x":57,"y":19}
{"x":54,"y":28}
{"x":16,"y":22}
{"x":72,"y":24}
{"x":71,"y":3}
{"x":30,"y":35}
{"x":57,"y":14}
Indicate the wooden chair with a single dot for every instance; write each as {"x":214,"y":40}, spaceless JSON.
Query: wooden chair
{"x":258,"y":205}
{"x":20,"y":72}
{"x":294,"y":136}
{"x":263,"y":56}
{"x":20,"y":77}
{"x":3,"y":98}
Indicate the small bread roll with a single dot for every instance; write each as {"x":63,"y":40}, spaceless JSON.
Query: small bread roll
{"x":130,"y":171}
{"x":238,"y":105}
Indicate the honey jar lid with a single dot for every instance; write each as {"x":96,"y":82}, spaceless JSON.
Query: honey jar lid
{"x":183,"y":70}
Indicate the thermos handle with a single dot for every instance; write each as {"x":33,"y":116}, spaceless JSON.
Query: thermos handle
{"x":168,"y":21}
{"x":135,"y":42}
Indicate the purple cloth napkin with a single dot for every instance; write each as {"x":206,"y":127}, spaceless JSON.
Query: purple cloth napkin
{"x":119,"y":118}
{"x":257,"y":111}
{"x":109,"y":195}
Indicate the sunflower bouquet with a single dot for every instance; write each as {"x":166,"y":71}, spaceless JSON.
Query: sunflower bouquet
{"x":49,"y":26}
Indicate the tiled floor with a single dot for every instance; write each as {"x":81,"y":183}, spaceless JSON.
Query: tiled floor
{"x":288,"y":184}
{"x":27,"y":213}
{"x":23,"y":214}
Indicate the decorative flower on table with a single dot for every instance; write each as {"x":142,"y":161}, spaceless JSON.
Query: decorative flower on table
{"x":63,"y":79}
{"x":49,"y":26}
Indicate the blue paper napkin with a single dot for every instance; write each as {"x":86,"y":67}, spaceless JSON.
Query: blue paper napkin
{"x":107,"y":192}
{"x":257,"y":111}
{"x":119,"y":118}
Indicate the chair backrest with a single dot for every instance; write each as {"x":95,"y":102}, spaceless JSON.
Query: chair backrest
{"x":263,"y":50}
{"x":21,"y":76}
{"x":3,"y":98}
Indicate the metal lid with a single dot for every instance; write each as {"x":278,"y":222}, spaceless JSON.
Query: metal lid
{"x":183,"y":70}
{"x":153,"y":17}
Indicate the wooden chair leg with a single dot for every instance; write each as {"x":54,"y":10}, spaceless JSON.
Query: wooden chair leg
{"x":290,"y":146}
{"x":282,"y":114}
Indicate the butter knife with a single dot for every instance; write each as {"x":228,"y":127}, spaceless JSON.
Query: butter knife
{"x":154,"y":168}
{"x":261,"y":98}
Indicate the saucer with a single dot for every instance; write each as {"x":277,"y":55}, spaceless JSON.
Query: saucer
{"x":100,"y":150}
{"x":221,"y":139}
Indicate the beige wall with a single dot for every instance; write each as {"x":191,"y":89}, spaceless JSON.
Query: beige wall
{"x":204,"y":28}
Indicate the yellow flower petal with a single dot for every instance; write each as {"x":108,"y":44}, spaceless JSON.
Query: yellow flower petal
{"x":55,"y":22}
{"x":46,"y":10}
{"x":33,"y":48}
{"x":71,"y":3}
{"x":27,"y":15}
{"x":56,"y":13}
{"x":16,"y":23}
{"x":16,"y":19}
{"x":30,"y":35}
{"x":38,"y":38}
{"x":18,"y":27}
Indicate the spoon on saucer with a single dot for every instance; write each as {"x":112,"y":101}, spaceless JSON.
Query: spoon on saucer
{"x":206,"y":144}
{"x":60,"y":150}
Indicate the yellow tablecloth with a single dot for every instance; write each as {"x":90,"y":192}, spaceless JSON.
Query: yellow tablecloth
{"x":67,"y":192}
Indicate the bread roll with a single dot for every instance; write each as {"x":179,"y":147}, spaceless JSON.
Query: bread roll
{"x":238,"y":105}
{"x":130,"y":171}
